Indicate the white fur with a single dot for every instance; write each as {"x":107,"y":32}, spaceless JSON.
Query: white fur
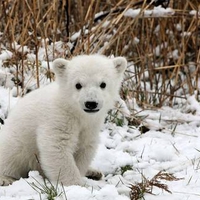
{"x":49,"y":130}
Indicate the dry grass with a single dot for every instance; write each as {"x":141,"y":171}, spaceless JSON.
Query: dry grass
{"x":138,"y":190}
{"x":158,"y":78}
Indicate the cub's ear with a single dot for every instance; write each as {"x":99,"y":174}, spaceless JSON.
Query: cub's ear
{"x":120,"y":64}
{"x":59,"y":66}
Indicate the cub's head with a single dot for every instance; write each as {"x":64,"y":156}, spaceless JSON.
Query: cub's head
{"x":90,"y":83}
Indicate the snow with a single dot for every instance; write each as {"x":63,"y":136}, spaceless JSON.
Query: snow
{"x":20,"y":48}
{"x":171,"y":144}
{"x":155,"y":12}
{"x":6,"y":78}
{"x":75,"y":36}
{"x":158,"y":49}
{"x":195,"y":13}
{"x":6,"y":102}
{"x":175,"y":54}
{"x":5,"y":54}
{"x":136,"y":40}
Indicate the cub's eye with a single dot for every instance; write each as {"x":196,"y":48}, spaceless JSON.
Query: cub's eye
{"x":102,"y":85}
{"x":78,"y":86}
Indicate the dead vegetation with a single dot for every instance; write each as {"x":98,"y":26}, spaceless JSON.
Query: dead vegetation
{"x":138,"y":190}
{"x":164,"y":49}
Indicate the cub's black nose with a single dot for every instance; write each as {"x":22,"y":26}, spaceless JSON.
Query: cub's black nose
{"x":91,"y":105}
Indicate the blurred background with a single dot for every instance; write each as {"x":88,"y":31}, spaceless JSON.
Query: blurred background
{"x":160,"y":39}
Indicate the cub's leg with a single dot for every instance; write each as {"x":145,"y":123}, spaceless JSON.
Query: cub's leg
{"x":94,"y":174}
{"x":83,"y":158}
{"x":6,"y":180}
{"x":56,"y":148}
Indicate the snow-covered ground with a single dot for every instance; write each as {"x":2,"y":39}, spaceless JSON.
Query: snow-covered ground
{"x":126,"y":156}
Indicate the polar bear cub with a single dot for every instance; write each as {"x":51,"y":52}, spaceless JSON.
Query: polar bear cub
{"x":55,"y":129}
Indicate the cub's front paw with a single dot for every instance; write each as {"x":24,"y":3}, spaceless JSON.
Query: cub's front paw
{"x":74,"y":181}
{"x":6,"y":180}
{"x":94,"y":174}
